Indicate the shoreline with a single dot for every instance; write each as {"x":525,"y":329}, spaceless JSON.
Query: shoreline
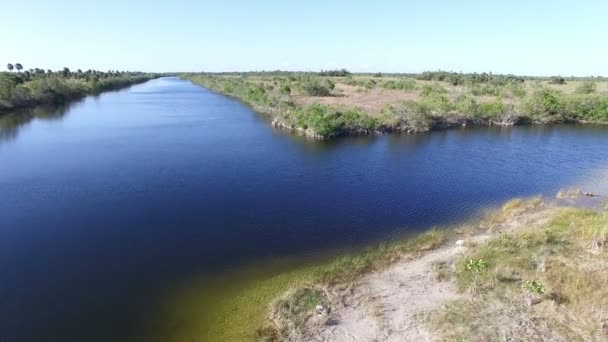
{"x":63,"y":100}
{"x":305,"y":301}
{"x":320,"y":121}
{"x":416,"y":294}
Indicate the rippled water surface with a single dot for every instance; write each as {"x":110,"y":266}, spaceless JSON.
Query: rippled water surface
{"x":108,"y":203}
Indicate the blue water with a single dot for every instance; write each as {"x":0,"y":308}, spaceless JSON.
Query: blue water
{"x":108,"y":202}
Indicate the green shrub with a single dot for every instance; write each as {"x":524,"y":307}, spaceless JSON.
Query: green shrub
{"x":466,"y":105}
{"x":486,"y":89}
{"x":544,"y":104}
{"x":588,"y":87}
{"x":591,"y":107}
{"x":315,"y":87}
{"x":406,"y":84}
{"x":557,"y":80}
{"x":514,"y":89}
{"x":492,"y":109}
{"x":370,"y":84}
{"x":435,"y":103}
{"x":432,"y":89}
{"x":409,"y":116}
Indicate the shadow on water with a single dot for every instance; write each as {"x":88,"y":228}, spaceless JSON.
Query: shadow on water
{"x":12,"y":122}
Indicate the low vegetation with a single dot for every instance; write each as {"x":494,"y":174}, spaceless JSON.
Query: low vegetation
{"x":546,"y":282}
{"x":37,"y":86}
{"x":336,"y":102}
{"x":545,"y":279}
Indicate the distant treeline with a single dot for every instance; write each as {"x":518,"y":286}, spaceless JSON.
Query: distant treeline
{"x":454,"y":78}
{"x":25,"y":88}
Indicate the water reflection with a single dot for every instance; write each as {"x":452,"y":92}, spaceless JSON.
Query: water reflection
{"x":12,"y":122}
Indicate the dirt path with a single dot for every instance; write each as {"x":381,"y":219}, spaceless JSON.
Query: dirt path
{"x":393,"y":304}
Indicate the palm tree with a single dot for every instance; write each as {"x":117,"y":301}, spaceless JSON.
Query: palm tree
{"x":18,"y":66}
{"x":10,"y":67}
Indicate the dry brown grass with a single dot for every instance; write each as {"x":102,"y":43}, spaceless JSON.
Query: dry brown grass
{"x":371,"y":101}
{"x":566,"y":255}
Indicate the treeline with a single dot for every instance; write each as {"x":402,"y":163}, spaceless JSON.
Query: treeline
{"x":456,"y":78}
{"x":25,"y":88}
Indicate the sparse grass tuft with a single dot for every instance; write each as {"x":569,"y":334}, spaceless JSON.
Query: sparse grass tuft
{"x":536,"y":280}
{"x":494,"y":218}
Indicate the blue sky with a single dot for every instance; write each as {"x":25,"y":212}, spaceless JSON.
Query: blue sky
{"x":544,"y":37}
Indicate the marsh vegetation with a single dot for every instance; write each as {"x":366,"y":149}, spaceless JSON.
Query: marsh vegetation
{"x":37,"y":86}
{"x":336,"y":103}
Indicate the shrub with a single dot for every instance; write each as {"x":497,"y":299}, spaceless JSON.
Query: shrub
{"x":492,"y":109}
{"x":587,"y":107}
{"x":314,"y":87}
{"x":588,"y":87}
{"x":370,"y":84}
{"x":409,"y":116}
{"x":432,"y":89}
{"x":435,"y":103}
{"x":544,"y":104}
{"x":406,"y":84}
{"x":486,"y":89}
{"x":557,"y":80}
{"x":466,"y":105}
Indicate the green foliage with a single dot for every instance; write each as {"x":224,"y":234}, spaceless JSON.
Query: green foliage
{"x":533,"y":287}
{"x":587,"y":87}
{"x":592,"y":107}
{"x":476,"y":266}
{"x":545,"y":104}
{"x":370,"y":84}
{"x":492,"y":109}
{"x":409,"y":116}
{"x":34,"y":86}
{"x":405,"y":84}
{"x":335,"y":73}
{"x":469,"y":79}
{"x":557,"y":80}
{"x":314,"y":86}
{"x":486,"y":89}
{"x":432,"y":89}
{"x":327,"y":121}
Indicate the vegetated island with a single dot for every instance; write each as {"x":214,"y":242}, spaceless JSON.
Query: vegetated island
{"x":334,"y":103}
{"x":531,"y":270}
{"x":32,"y":87}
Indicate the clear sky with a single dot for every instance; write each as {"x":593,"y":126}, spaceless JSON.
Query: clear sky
{"x":542,"y":37}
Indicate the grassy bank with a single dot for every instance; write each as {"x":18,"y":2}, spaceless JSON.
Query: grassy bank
{"x":536,"y":273}
{"x":36,"y":86}
{"x":239,"y":311}
{"x":549,"y":281}
{"x":325,"y":106}
{"x":276,"y":303}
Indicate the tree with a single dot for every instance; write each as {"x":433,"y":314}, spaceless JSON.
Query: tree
{"x":18,"y":66}
{"x":66,"y":72}
{"x":10,"y":67}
